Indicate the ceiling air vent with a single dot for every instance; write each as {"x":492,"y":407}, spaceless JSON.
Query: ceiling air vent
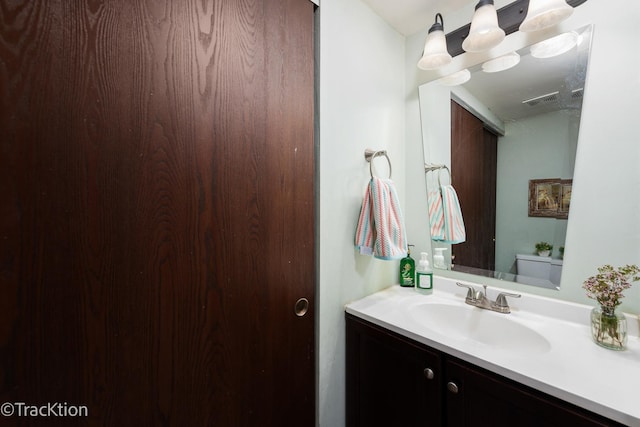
{"x":546,"y":99}
{"x":577,"y":93}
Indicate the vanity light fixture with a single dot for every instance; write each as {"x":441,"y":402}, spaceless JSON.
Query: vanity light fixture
{"x":455,"y":79}
{"x":545,"y":13}
{"x":435,"y":53}
{"x":556,"y":45}
{"x":501,"y":63}
{"x":484,"y":32}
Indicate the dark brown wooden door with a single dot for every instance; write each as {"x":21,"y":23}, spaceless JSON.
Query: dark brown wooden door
{"x":157,"y":216}
{"x":474,"y":163}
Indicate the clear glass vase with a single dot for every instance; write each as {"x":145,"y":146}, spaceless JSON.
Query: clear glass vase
{"x":608,"y":328}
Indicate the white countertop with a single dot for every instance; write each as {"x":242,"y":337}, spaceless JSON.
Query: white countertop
{"x":573,"y":368}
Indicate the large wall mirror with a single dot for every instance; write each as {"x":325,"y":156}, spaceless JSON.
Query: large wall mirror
{"x":513,"y":169}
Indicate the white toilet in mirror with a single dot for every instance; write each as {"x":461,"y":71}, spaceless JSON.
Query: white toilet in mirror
{"x":555,"y":272}
{"x":538,"y":267}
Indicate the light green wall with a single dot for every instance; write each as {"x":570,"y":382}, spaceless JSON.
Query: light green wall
{"x":538,"y":147}
{"x":361,"y":89}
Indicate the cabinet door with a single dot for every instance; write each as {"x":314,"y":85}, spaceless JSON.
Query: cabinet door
{"x":390,"y":381}
{"x":478,"y":398}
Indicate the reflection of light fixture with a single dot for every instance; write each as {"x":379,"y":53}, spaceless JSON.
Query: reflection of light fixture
{"x":455,"y":79}
{"x":556,"y":45}
{"x":545,"y":13}
{"x":435,"y":47}
{"x":485,"y":32}
{"x":502,"y":63}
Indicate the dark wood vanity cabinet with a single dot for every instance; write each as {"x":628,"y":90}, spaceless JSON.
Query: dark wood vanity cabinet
{"x":487,"y":399}
{"x":390,"y":381}
{"x":395,"y":381}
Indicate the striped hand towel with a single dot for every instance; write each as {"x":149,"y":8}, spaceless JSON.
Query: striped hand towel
{"x":454,"y":231}
{"x":436,"y":215}
{"x":380,"y":229}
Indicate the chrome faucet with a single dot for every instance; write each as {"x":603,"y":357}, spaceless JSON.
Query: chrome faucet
{"x":478,"y":298}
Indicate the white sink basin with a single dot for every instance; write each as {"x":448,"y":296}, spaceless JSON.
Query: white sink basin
{"x":466,"y":322}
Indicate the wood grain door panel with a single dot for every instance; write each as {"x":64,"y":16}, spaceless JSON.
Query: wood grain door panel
{"x":157,"y":222}
{"x":474,"y":166}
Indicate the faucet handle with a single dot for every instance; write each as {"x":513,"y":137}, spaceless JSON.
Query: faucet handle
{"x":501,"y":304}
{"x":471,"y":292}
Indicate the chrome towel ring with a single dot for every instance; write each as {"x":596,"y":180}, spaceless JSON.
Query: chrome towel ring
{"x":370,"y":154}
{"x":430,"y":167}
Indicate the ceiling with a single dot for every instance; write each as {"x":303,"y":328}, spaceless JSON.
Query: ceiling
{"x":556,"y":83}
{"x":410,"y":16}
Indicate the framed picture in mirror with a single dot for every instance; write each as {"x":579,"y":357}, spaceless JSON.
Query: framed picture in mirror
{"x":565,"y":198}
{"x":550,"y":198}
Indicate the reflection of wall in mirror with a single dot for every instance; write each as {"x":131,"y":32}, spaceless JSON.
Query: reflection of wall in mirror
{"x":542,"y":146}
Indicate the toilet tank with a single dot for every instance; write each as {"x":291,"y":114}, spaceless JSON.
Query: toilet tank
{"x":555,"y":271}
{"x":533,"y":266}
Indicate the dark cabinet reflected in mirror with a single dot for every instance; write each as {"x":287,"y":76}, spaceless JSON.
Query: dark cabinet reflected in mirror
{"x":497,"y":132}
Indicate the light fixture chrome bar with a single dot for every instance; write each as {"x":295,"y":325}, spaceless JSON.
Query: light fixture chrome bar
{"x":510,"y":17}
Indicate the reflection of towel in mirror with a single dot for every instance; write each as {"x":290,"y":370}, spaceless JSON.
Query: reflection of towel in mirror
{"x":381,"y":230}
{"x":454,"y":231}
{"x":445,"y":216}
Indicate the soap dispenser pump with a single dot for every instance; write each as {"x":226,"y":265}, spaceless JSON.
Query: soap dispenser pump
{"x":407,"y":270}
{"x":424,"y":274}
{"x":438,"y":258}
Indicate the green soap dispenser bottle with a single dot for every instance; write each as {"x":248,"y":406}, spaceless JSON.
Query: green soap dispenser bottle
{"x":408,"y":270}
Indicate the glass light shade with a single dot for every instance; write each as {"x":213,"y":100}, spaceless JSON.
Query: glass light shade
{"x":556,"y":45}
{"x":485,"y":32}
{"x":501,"y":63}
{"x":435,"y":51}
{"x":456,"y":79}
{"x":545,"y":13}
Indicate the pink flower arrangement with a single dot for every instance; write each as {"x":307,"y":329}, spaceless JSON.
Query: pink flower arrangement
{"x":608,"y":285}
